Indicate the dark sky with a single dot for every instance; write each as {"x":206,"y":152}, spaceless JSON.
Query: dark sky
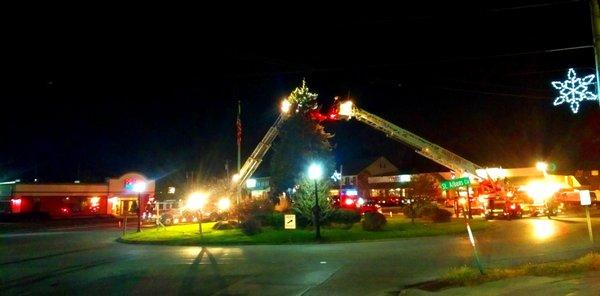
{"x":157,"y":92}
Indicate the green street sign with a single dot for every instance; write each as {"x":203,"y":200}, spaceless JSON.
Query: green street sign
{"x":455,"y":183}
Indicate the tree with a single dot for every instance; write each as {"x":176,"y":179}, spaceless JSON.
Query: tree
{"x":304,"y":199}
{"x":301,"y":141}
{"x":423,"y":189}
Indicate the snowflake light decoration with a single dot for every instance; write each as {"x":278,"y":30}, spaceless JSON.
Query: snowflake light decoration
{"x":574,"y":90}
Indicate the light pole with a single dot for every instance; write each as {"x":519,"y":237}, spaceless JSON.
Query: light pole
{"x":139,"y":187}
{"x":315,"y":171}
{"x":195,"y":202}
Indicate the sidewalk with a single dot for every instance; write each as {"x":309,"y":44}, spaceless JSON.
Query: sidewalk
{"x":575,"y":284}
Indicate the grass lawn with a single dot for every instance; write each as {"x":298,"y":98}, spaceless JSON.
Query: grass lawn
{"x":397,"y":227}
{"x":468,"y":276}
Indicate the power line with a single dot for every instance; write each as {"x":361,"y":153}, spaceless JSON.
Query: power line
{"x":381,"y":66}
{"x":491,"y":93}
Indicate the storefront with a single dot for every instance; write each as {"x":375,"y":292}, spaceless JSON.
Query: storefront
{"x":123,"y":194}
{"x":117,"y":197}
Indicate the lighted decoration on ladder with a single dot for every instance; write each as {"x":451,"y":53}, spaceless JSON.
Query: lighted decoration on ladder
{"x":574,"y":90}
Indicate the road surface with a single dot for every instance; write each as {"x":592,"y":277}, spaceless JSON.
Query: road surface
{"x":90,"y":262}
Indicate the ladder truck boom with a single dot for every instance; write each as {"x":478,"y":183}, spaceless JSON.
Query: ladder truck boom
{"x":422,"y":146}
{"x":259,"y":152}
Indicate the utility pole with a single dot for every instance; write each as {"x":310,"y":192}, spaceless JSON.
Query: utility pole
{"x":595,"y":13}
{"x":239,"y":148}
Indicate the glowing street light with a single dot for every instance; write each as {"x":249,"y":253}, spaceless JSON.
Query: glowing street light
{"x":139,"y":187}
{"x":345,"y":109}
{"x":541,"y":166}
{"x":315,"y":172}
{"x":196,"y":201}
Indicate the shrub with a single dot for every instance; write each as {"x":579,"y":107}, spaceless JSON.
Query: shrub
{"x":344,"y":217}
{"x":225,"y":225}
{"x":214,"y":216}
{"x":274,"y":219}
{"x":250,"y":208}
{"x":301,"y":221}
{"x":437,"y":215}
{"x":304,"y":200}
{"x":373,"y":221}
{"x":427,"y":210}
{"x":251,"y":226}
{"x":409,"y":212}
{"x":442,"y":215}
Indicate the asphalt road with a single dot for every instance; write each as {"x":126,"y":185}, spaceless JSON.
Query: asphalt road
{"x":90,"y":262}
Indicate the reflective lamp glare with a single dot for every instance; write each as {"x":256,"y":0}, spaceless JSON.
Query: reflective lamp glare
{"x":285,"y":106}
{"x":315,"y":171}
{"x":250,"y":183}
{"x":224,"y":204}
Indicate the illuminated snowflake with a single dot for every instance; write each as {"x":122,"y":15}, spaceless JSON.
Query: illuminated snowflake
{"x":574,"y":90}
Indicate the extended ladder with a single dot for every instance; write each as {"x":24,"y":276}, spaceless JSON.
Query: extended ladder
{"x":421,"y":146}
{"x":259,"y":152}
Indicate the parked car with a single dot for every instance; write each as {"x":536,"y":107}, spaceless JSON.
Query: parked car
{"x":369,"y":207}
{"x":177,"y":216}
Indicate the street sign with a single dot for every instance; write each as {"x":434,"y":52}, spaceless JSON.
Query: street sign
{"x":290,"y":221}
{"x":455,"y":183}
{"x":584,"y":197}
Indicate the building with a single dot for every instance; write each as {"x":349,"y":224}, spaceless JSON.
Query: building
{"x":355,"y":177}
{"x":257,"y":188}
{"x":379,"y":180}
{"x":116,"y":197}
{"x":590,"y":179}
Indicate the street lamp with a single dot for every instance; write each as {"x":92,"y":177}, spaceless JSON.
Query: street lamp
{"x":196,"y":201}
{"x":315,"y":172}
{"x":139,"y":187}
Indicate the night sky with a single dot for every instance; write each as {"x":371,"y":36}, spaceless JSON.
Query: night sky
{"x":94,"y":97}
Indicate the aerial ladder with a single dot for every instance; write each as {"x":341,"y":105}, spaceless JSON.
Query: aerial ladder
{"x":462,"y":167}
{"x":253,"y":162}
{"x":459,"y":165}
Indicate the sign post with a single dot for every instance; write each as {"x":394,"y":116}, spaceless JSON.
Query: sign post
{"x":455,"y":184}
{"x":469,"y":203}
{"x":586,"y":201}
